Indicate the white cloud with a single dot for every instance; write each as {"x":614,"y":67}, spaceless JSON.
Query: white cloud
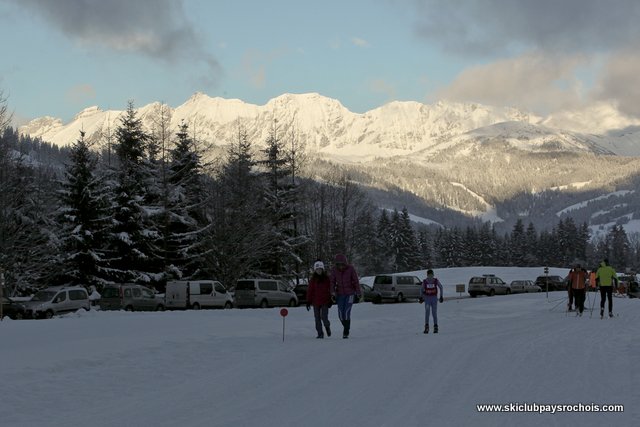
{"x":620,"y":82}
{"x":536,"y":81}
{"x":359,"y":42}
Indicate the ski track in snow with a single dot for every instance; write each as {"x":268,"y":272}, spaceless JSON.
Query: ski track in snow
{"x":231,"y":368}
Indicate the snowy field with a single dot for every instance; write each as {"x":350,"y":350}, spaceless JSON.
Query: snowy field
{"x":232,"y":368}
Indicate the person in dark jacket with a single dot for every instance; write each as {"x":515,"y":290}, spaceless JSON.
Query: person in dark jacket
{"x":319,"y":296}
{"x":345,"y":290}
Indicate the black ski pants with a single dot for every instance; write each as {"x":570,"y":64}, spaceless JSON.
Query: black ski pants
{"x":578,"y":296}
{"x":606,"y":291}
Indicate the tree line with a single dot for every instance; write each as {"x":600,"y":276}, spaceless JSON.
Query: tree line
{"x":147,"y":208}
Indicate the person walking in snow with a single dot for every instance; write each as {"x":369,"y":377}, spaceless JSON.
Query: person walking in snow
{"x":606,"y":276}
{"x":319,"y":296}
{"x":345,"y":290}
{"x":429,"y":295}
{"x":577,"y":283}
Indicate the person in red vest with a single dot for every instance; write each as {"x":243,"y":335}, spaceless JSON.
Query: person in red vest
{"x":578,"y":283}
{"x":429,"y":295}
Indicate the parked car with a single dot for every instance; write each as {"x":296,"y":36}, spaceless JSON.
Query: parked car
{"x":556,"y":283}
{"x":264,"y":293}
{"x":301,"y":292}
{"x":487,"y":284}
{"x":370,"y":295}
{"x":130,"y":297}
{"x":524,"y":286}
{"x":12,"y":309}
{"x":630,"y":284}
{"x":197,"y":294}
{"x":397,"y":287}
{"x":49,"y":302}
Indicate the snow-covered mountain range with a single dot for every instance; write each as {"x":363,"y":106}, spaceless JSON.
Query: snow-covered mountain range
{"x":476,"y":160}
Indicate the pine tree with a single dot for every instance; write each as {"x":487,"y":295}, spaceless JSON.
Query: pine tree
{"x":83,"y":220}
{"x":184,"y":224}
{"x":132,"y":236}
{"x":239,"y":234}
{"x":280,"y":196}
{"x":518,"y":244}
{"x":385,"y":248}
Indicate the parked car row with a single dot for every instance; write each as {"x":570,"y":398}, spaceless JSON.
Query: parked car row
{"x":490,"y":285}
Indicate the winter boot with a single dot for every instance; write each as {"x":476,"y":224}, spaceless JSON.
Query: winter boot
{"x":601,"y":313}
{"x":610,"y":314}
{"x":435,"y":329}
{"x":320,"y":336}
{"x":347,"y":326}
{"x":328,"y":331}
{"x":426,"y":328}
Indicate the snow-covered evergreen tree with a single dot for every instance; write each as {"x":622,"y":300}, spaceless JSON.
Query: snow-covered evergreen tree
{"x":239,"y":236}
{"x":280,"y":196}
{"x":132,"y":238}
{"x":83,"y":219}
{"x":185,"y":224}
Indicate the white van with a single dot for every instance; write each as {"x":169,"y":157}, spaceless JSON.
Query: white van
{"x":197,"y":294}
{"x":49,"y":302}
{"x":264,"y":293}
{"x":397,"y":287}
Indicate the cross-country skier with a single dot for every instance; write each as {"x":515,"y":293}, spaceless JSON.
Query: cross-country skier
{"x":577,"y":283}
{"x":606,"y":276}
{"x":429,"y":295}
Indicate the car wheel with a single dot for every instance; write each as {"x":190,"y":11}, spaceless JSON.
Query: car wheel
{"x":48,"y":314}
{"x":228,"y":305}
{"x":18,"y":316}
{"x":195,"y":306}
{"x":264,"y":303}
{"x":400,"y":298}
{"x":377,"y":300}
{"x":292,"y":303}
{"x":492,"y":292}
{"x":473,"y":295}
{"x":508,"y":291}
{"x":128,"y":308}
{"x":160,"y":307}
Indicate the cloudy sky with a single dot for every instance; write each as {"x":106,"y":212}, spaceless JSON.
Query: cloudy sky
{"x":60,"y":56}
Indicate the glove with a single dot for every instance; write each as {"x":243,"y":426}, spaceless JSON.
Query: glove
{"x":420,"y":300}
{"x":308,"y":307}
{"x":441,"y":299}
{"x":356,"y":299}
{"x":330,"y":304}
{"x":333,"y":299}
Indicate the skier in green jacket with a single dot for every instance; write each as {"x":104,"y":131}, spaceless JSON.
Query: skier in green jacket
{"x":605,"y":277}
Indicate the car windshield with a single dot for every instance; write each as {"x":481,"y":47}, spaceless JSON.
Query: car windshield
{"x":44,"y":296}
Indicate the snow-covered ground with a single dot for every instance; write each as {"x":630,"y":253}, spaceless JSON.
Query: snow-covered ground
{"x":232,"y":368}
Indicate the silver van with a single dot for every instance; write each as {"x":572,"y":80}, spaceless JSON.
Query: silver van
{"x":397,"y":287}
{"x":197,"y":294}
{"x":130,"y":297}
{"x":264,"y":293}
{"x":49,"y":302}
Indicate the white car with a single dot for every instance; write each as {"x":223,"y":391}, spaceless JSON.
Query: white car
{"x":524,"y":286}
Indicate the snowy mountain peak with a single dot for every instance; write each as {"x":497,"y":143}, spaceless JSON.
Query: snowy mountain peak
{"x":327,"y":127}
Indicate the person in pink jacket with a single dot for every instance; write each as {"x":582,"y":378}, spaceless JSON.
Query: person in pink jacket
{"x":319,"y":296}
{"x":345,"y":290}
